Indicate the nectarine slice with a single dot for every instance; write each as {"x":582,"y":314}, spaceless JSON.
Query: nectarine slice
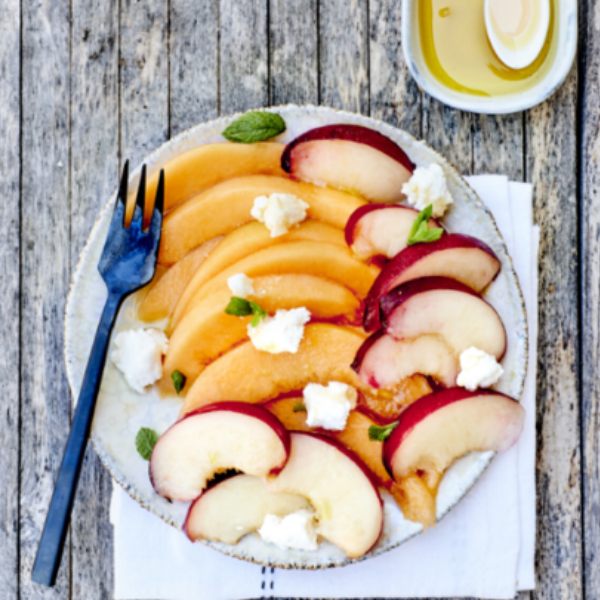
{"x":249,"y":375}
{"x":236,"y":506}
{"x":223,"y":208}
{"x":162,"y":297}
{"x":207,"y":331}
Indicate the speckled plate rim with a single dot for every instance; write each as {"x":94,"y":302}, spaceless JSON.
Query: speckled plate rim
{"x":159,"y":157}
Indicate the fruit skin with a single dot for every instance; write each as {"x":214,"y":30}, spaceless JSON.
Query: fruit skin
{"x":348,"y":133}
{"x":223,"y":208}
{"x":240,"y":408}
{"x":227,"y":511}
{"x":250,"y":375}
{"x":304,"y":447}
{"x":442,"y":306}
{"x":373,"y":234}
{"x":418,"y":412}
{"x":456,"y":256}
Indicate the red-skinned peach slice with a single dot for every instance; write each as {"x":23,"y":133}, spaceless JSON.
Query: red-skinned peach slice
{"x":381,"y":230}
{"x":456,"y":256}
{"x":236,"y":506}
{"x":444,"y":307}
{"x":440,"y":428}
{"x":384,"y":362}
{"x":339,"y":487}
{"x":215,"y":438}
{"x":350,"y":157}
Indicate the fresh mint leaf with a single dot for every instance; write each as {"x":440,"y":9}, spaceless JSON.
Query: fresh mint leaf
{"x":420,"y":232}
{"x":145,"y":441}
{"x":299,"y":407}
{"x":238,"y":307}
{"x":255,"y":126}
{"x":258,"y":312}
{"x":178,"y":379}
{"x":380,"y":434}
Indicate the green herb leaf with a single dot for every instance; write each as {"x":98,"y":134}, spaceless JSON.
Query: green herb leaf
{"x":420,"y":232}
{"x":258,"y":312}
{"x":238,"y":307}
{"x":255,"y":126}
{"x":299,"y":407}
{"x":380,"y":434}
{"x":145,"y":440}
{"x":178,"y":379}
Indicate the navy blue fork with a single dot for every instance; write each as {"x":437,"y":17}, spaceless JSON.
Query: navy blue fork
{"x":128,"y":263}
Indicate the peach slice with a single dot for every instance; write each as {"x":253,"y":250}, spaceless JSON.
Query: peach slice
{"x":283,"y":409}
{"x":447,"y":308}
{"x":456,"y":256}
{"x":339,"y":487}
{"x":163,"y":295}
{"x":441,"y":427}
{"x":384,"y":362}
{"x":236,"y":506}
{"x":328,"y":261}
{"x":381,"y":229}
{"x":207,"y":331}
{"x":223,"y":208}
{"x":350,"y":157}
{"x":249,"y":375}
{"x":231,"y":435}
{"x":251,"y":238}
{"x":204,"y":166}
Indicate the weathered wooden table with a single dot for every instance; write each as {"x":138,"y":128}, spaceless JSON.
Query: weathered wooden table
{"x":86,"y":83}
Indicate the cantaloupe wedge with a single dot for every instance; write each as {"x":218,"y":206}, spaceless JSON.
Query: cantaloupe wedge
{"x":255,"y":236}
{"x":416,"y":500}
{"x":162,"y":297}
{"x":283,"y":409}
{"x":226,"y":206}
{"x":207,"y":331}
{"x":312,"y":258}
{"x":204,"y":166}
{"x":249,"y":375}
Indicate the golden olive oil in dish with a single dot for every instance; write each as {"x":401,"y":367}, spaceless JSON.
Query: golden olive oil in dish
{"x":458,"y":52}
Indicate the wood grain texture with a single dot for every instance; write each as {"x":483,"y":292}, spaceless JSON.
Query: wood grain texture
{"x":10,"y":167}
{"x":95,"y":152}
{"x":590,"y":286}
{"x":45,"y":273}
{"x":293,"y":35}
{"x":144,"y":77}
{"x":344,"y":54}
{"x":244,"y":55}
{"x":194,"y":59}
{"x":395,"y":97}
{"x":551,"y":167}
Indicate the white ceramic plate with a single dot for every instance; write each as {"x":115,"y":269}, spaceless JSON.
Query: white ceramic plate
{"x":566,"y":23}
{"x":121,"y":412}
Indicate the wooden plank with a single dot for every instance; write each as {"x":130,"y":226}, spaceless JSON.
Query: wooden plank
{"x":551,"y":166}
{"x":590,"y":286}
{"x":244,"y":55}
{"x":344,"y":55}
{"x":395,"y":97}
{"x":194,"y":60}
{"x":10,"y":111}
{"x":45,"y":274}
{"x":293,"y":35}
{"x":94,"y":147}
{"x":144,"y":78}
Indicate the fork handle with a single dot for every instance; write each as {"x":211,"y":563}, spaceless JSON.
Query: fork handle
{"x":50,"y":550}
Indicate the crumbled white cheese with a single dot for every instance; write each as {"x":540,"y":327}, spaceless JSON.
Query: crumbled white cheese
{"x":281,"y":333}
{"x":329,"y":406}
{"x":428,"y":186}
{"x":478,"y":369}
{"x":279,"y":212}
{"x":240,"y":285}
{"x":296,"y":530}
{"x":138,"y":355}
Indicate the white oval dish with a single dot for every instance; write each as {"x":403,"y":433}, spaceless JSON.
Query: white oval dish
{"x":121,"y":412}
{"x":566,"y":19}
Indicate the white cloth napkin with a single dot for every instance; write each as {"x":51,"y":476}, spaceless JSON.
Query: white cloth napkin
{"x":483,"y":548}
